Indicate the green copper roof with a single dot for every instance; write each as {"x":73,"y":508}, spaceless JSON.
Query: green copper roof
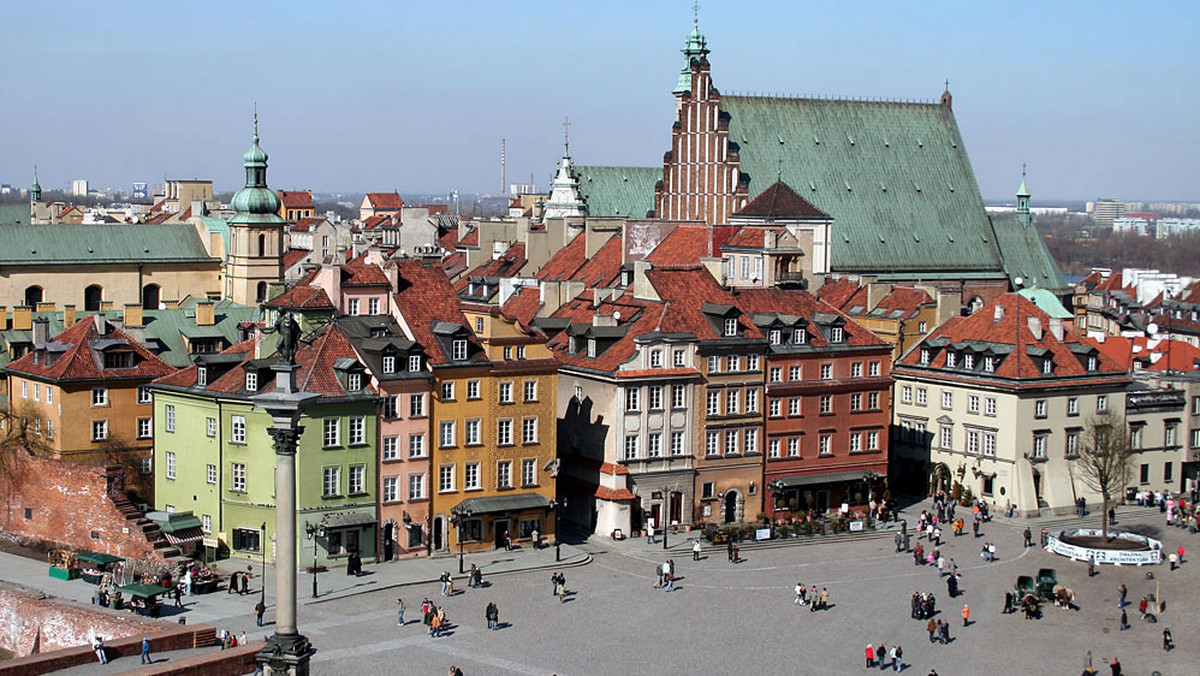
{"x":14,"y":214}
{"x":255,"y":203}
{"x":1023,"y":191}
{"x":1025,"y":254}
{"x":83,"y":244}
{"x":1047,"y":302}
{"x":167,"y":328}
{"x":694,"y":47}
{"x":894,"y":176}
{"x":617,"y":191}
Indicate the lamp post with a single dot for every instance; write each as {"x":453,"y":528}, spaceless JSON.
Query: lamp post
{"x":558,"y":507}
{"x":313,"y":533}
{"x":263,"y":546}
{"x":461,"y":513}
{"x":287,"y":651}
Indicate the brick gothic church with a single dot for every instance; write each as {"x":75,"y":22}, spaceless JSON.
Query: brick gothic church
{"x":894,"y":176}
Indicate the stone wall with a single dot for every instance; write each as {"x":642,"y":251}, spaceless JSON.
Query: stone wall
{"x":32,"y":624}
{"x":69,"y":504}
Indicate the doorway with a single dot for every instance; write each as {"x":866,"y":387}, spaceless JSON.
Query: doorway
{"x":389,"y":540}
{"x":822,"y":501}
{"x":1037,"y":486}
{"x":439,"y":527}
{"x":501,"y":527}
{"x":731,"y":507}
{"x":675,"y":508}
{"x":656,"y":517}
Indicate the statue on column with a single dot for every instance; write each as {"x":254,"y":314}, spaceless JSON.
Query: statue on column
{"x":289,"y":337}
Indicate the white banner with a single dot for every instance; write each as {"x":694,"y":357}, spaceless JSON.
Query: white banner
{"x":1116,"y":557}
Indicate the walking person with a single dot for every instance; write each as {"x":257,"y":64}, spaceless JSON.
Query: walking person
{"x":1028,"y":537}
{"x":729,"y":550}
{"x":1121,"y":591}
{"x":1124,"y":620}
{"x":966,"y":615}
{"x":737,"y":554}
{"x":233,"y":583}
{"x":668,"y":578}
{"x":562,"y":588}
{"x":658,"y":571}
{"x":931,"y":627}
{"x":897,"y":656}
{"x":696,"y":549}
{"x":650,"y":534}
{"x":1091,"y":565}
{"x":177,"y":594}
{"x":492,"y":613}
{"x":471,"y":575}
{"x":400,"y":608}
{"x":146,"y":651}
{"x":259,"y":611}
{"x":881,"y":653}
{"x":870,"y":655}
{"x":245,"y":584}
{"x":824,"y":598}
{"x":98,"y":648}
{"x":899,"y":541}
{"x":1168,"y":640}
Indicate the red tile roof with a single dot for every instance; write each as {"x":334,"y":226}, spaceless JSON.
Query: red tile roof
{"x":802,"y":303}
{"x":1151,"y":354}
{"x":604,"y":267}
{"x":303,"y":297}
{"x":685,"y":290}
{"x":357,"y":274}
{"x":907,"y":299}
{"x":1113,"y":283}
{"x":842,"y":293}
{"x":686,"y":245}
{"x":187,"y":377}
{"x":424,"y":296}
{"x":1011,"y":329}
{"x":509,"y":264}
{"x":296,"y":199}
{"x":83,"y":357}
{"x":471,"y":240}
{"x":385,"y":200}
{"x":606,"y":493}
{"x":750,"y":237}
{"x":293,"y":256}
{"x":779,"y":201}
{"x":455,"y":264}
{"x":639,"y":317}
{"x":566,"y":261}
{"x":523,"y":305}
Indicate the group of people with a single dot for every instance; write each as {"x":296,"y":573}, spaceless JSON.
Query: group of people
{"x":885,"y":658}
{"x":924,"y":605}
{"x":988,"y":552}
{"x":434,"y":617}
{"x":811,"y":598}
{"x":560,"y":585}
{"x":239,"y":582}
{"x":666,"y":575}
{"x":939,"y":631}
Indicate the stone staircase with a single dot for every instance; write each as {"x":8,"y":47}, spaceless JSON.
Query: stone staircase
{"x":205,"y":637}
{"x":137,"y":521}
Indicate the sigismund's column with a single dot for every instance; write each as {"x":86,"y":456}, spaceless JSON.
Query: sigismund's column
{"x":287,"y":651}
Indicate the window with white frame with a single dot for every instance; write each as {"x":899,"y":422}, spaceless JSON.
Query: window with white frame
{"x":989,"y":364}
{"x":775,"y":336}
{"x":99,"y":396}
{"x":856,"y":370}
{"x":416,"y":445}
{"x":972,"y":403}
{"x":389,"y":363}
{"x":731,"y":441}
{"x":800,"y":336}
{"x":529,"y":430}
{"x":1039,"y":408}
{"x":388,"y":408}
{"x":149,"y":398}
{"x":924,"y":356}
{"x":352,"y":308}
{"x":145,"y":428}
{"x":144,"y":395}
{"x":856,"y":442}
{"x":856,"y":402}
{"x":447,"y":390}
{"x":947,"y":399}
{"x":390,"y":449}
{"x":353,"y":382}
{"x":331,"y":481}
{"x":391,"y":489}
{"x":677,"y":447}
{"x":445,"y":478}
{"x":711,"y":439}
{"x":826,"y":404}
{"x":951,"y":359}
{"x":873,"y":370}
{"x":752,"y":362}
{"x":1169,"y":434}
{"x":251,"y":381}
{"x":416,"y":405}
{"x":1039,"y":444}
{"x":968,"y":361}
{"x":989,"y":444}
{"x":446,"y":433}
{"x":471,"y":431}
{"x":504,"y":474}
{"x":731,"y":327}
{"x":793,"y":373}
{"x":520,"y":352}
{"x":654,"y":397}
{"x":530,"y":390}
{"x":506,"y":392}
{"x":170,"y":470}
{"x":331,"y":432}
{"x":825,"y":444}
{"x":873,"y":401}
{"x":989,"y":406}
{"x":1101,"y":402}
{"x":678,"y":396}
{"x":872,"y":441}
{"x":793,"y":447}
{"x":972,"y":441}
{"x":656,"y":360}
{"x":654,"y":445}
{"x":458,"y":350}
{"x":946,"y":438}
{"x":1047,"y":366}
{"x":507,"y":353}
{"x":99,"y":430}
{"x":773,"y":448}
{"x":679,"y":358}
{"x":713,"y":402}
{"x":731,"y":402}
{"x":358,"y":430}
{"x":529,"y":472}
{"x":714,"y":364}
{"x":504,"y":432}
{"x":922,"y":396}
{"x":751,"y":400}
{"x":210,"y":473}
{"x":836,"y":334}
{"x":49,"y":428}
{"x":591,"y":348}
{"x":826,"y":371}
{"x":775,"y":374}
{"x":751,"y":442}
{"x":775,"y":408}
{"x":358,"y":479}
{"x":414,"y":363}
{"x":206,"y":523}
{"x":733,"y":363}
{"x":471,"y":476}
{"x":906,"y":394}
{"x":1071,"y":448}
{"x":1073,"y":406}
{"x":473,"y":389}
{"x":237,"y":477}
{"x":416,"y":486}
{"x":631,"y":447}
{"x":794,"y":406}
{"x":632,"y":399}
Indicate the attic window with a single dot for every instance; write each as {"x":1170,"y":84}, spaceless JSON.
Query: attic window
{"x":122,"y":359}
{"x":800,"y":336}
{"x":572,"y":347}
{"x":776,"y":336}
{"x":925,"y":356}
{"x":836,"y":334}
{"x":353,"y":381}
{"x":202,"y":376}
{"x":989,"y":364}
{"x":414,"y":363}
{"x":251,"y":381}
{"x":1091,"y":364}
{"x":951,"y":360}
{"x":968,"y":361}
{"x":591,"y":349}
{"x":1047,"y":367}
{"x":459,"y":350}
{"x":730,"y":327}
{"x":389,"y":364}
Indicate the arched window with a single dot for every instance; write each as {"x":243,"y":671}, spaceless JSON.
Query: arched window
{"x":150,"y":296}
{"x":262,"y":245}
{"x":33,"y":295}
{"x":92,"y":297}
{"x":261,"y":294}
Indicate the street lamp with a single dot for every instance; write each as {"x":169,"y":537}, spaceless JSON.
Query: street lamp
{"x":314,"y":532}
{"x":263,"y":545}
{"x":558,"y":507}
{"x":461,"y":513}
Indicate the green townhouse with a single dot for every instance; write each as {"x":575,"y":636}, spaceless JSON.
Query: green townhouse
{"x":213,"y":455}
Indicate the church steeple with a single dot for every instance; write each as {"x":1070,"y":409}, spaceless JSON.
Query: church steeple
{"x":564,"y":191}
{"x":695,"y":47}
{"x":35,"y":190}
{"x":1023,"y":201}
{"x":254,"y":257}
{"x":256,"y":198}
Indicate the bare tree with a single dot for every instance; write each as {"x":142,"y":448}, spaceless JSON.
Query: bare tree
{"x":20,"y":437}
{"x":1104,"y":458}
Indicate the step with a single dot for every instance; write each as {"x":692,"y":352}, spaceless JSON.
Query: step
{"x":205,"y":638}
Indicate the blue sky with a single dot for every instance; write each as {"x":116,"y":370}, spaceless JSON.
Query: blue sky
{"x":1099,"y":98}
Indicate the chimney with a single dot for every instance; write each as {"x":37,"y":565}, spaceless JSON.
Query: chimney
{"x":1035,"y":327}
{"x":329,"y":278}
{"x":1056,"y":328}
{"x":44,"y":307}
{"x":642,"y":288}
{"x":205,"y":313}
{"x":499,"y":248}
{"x":3,"y":318}
{"x":876,"y":292}
{"x":133,"y":315}
{"x":603,"y":320}
{"x":106,"y":305}
{"x":170,"y":304}
{"x":41,"y":331}
{"x":949,"y":304}
{"x":22,"y":318}
{"x":101,"y":323}
{"x":68,"y":316}
{"x":997,"y":313}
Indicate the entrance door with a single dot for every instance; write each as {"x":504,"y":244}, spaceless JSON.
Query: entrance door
{"x":676,"y":507}
{"x":1037,"y":486}
{"x":389,"y":541}
{"x":438,"y":529}
{"x":656,"y":517}
{"x":730,"y":507}
{"x":501,"y":526}
{"x":822,"y":502}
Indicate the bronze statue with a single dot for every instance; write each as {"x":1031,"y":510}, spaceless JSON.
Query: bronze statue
{"x":289,"y":337}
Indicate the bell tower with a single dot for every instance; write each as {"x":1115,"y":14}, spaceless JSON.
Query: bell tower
{"x":255,"y":254}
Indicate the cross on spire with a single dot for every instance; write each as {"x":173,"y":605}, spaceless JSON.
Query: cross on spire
{"x":947,"y":84}
{"x":696,"y":13}
{"x":567,"y":135}
{"x":1022,"y":171}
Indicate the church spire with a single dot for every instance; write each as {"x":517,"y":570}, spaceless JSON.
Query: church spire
{"x":35,"y":190}
{"x":695,"y":47}
{"x":1023,"y":201}
{"x":255,"y":198}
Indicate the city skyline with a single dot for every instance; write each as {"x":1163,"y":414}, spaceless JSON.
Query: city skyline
{"x":375,"y":97}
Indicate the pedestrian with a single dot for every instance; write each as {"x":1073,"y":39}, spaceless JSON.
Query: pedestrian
{"x":696,"y":549}
{"x":1045,"y":536}
{"x":1115,"y":665}
{"x":952,"y":586}
{"x":941,"y":566}
{"x":729,"y":550}
{"x":492,"y":613}
{"x":223,"y":638}
{"x":897,"y":658}
{"x":650,"y":533}
{"x":455,"y":671}
{"x":881,"y":653}
{"x":435,"y":626}
{"x":952,"y":567}
{"x":937,"y":536}
{"x":1087,"y":663}
{"x":966,"y":614}
{"x":799,"y":594}
{"x":1092,"y":565}
{"x":445,"y":580}
{"x":975,"y":527}
{"x":1008,"y":602}
{"x":244,"y":579}
{"x":477,"y":576}
{"x":400,"y":608}
{"x":1168,"y":641}
{"x":471,"y":575}
{"x":737,"y":554}
{"x":450,"y":586}
{"x":562,"y":588}
{"x":668,"y":579}
{"x":870,"y":655}
{"x":259,"y":610}
{"x":658,"y":571}
{"x":187,"y":582}
{"x":233,"y":583}
{"x":98,"y":648}
{"x":899,"y":541}
{"x":146,"y":651}
{"x":1121,"y":591}
{"x":917,"y":555}
{"x":991,"y":551}
{"x":1142,"y":607}
{"x":1028,"y":537}
{"x":1124,"y":620}
{"x":907,"y":540}
{"x":177,"y":594}
{"x":931,"y":626}
{"x":824,"y":598}
{"x":1173,"y":559}
{"x":241,"y":640}
{"x":507,"y":542}
{"x":1180,"y":552}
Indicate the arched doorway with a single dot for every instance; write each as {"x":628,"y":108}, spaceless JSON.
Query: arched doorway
{"x":1037,"y":487}
{"x":33,"y":295}
{"x":92,"y":296}
{"x":260,"y":293}
{"x":151,"y":294}
{"x":389,"y":540}
{"x":730,"y":510}
{"x":439,"y":527}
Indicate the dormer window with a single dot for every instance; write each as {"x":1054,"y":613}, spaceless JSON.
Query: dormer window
{"x":1092,"y":363}
{"x":389,"y":364}
{"x":925,"y":356}
{"x":800,"y":336}
{"x":459,"y":350}
{"x":836,"y":335}
{"x":202,"y":376}
{"x":731,"y":327}
{"x":572,"y":346}
{"x":968,"y":361}
{"x":118,"y":359}
{"x":1047,"y":367}
{"x":414,"y":362}
{"x":591,"y":348}
{"x":251,"y":381}
{"x":353,"y":381}
{"x":989,"y":364}
{"x":656,"y":360}
{"x":951,"y":360}
{"x":776,"y":336}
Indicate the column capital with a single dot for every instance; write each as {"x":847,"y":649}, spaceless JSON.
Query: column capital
{"x":286,"y":438}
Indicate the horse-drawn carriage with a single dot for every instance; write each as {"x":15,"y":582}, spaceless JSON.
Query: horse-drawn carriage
{"x":1027,"y":597}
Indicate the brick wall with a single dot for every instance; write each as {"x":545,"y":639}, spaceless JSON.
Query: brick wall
{"x":66,"y":503}
{"x":29,"y":624}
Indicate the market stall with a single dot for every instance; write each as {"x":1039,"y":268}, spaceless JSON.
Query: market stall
{"x":92,"y":567}
{"x":142,"y":598}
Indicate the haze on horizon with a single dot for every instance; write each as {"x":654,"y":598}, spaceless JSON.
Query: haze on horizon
{"x":1096,"y":97}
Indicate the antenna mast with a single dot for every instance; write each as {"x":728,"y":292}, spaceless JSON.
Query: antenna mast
{"x":503,"y":183}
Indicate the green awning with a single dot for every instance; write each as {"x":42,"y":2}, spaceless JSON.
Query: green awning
{"x":348,"y":519}
{"x":799,"y":480}
{"x":98,"y":559}
{"x":504,"y":503}
{"x":145,"y":591}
